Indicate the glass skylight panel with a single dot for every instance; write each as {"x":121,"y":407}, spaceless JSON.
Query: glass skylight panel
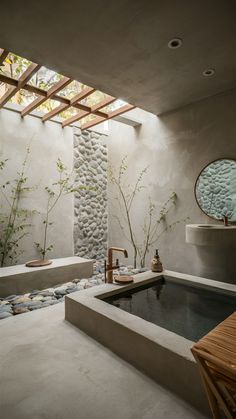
{"x":45,"y":78}
{"x":4,"y":88}
{"x":72,"y":89}
{"x":48,"y":106}
{"x":68,"y":113}
{"x":94,"y":98}
{"x":86,"y":119}
{"x":14,"y":66}
{"x":23,"y":97}
{"x":113,"y":106}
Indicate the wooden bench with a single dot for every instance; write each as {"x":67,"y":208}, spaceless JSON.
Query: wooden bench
{"x":215,"y":354}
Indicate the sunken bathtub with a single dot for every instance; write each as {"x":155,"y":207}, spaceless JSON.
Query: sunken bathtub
{"x":153,"y":322}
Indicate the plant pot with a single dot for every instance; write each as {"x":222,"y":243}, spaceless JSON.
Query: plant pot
{"x":37,"y":263}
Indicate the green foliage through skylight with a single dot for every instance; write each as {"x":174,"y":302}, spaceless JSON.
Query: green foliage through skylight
{"x":14,"y":66}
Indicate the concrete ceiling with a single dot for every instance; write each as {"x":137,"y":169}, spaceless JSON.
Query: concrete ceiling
{"x":120,"y":46}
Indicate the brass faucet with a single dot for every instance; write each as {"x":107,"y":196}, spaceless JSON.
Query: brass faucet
{"x":226,"y":220}
{"x":108,"y":268}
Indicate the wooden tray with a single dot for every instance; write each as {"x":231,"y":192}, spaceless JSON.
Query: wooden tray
{"x":122,"y":279}
{"x":38,"y":263}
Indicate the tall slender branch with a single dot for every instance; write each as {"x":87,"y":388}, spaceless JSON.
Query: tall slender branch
{"x":64,"y":186}
{"x":10,"y":228}
{"x":152,"y":222}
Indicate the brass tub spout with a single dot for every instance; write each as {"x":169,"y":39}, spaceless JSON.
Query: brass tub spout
{"x":110,"y":267}
{"x":226,"y":220}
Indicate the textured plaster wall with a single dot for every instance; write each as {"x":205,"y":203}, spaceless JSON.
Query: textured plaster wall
{"x":48,"y":142}
{"x":176,"y":147}
{"x":90,"y":211}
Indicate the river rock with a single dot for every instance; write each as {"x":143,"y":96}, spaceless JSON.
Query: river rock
{"x":60,"y":292}
{"x":20,"y":310}
{"x":4,"y":302}
{"x":46,"y":293}
{"x":38,"y":298}
{"x":12,"y":297}
{"x":21,"y":300}
{"x":76,"y":280}
{"x":6,"y":308}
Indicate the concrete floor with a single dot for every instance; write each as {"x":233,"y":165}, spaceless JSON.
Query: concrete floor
{"x":51,"y":370}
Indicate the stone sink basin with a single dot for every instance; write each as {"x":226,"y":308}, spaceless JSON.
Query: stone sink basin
{"x":211,"y":235}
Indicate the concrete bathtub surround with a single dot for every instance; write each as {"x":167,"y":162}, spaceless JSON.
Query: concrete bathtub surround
{"x":19,"y":279}
{"x":163,"y":355}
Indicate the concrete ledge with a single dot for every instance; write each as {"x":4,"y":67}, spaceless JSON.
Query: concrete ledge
{"x":19,"y":279}
{"x":161,"y":354}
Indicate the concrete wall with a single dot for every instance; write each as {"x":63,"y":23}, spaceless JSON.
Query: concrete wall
{"x":176,"y":147}
{"x":48,"y":142}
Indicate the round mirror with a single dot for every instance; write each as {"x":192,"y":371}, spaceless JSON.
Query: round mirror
{"x":215,"y":189}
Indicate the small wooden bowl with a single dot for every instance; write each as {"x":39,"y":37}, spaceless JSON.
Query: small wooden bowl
{"x":123,"y":280}
{"x":37,"y":263}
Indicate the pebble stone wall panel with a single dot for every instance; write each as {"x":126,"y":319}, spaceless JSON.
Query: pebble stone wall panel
{"x":216,"y":189}
{"x":90,"y":203}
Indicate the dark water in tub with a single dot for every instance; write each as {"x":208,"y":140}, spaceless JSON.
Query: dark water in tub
{"x":186,"y":310}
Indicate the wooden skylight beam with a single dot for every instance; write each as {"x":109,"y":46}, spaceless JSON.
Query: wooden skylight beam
{"x":43,"y":93}
{"x":65,"y":103}
{"x":51,"y":92}
{"x":122,"y":109}
{"x":86,"y":92}
{"x":93,"y":109}
{"x":3,"y":56}
{"x":75,"y":118}
{"x":111,"y":115}
{"x":103,"y":103}
{"x":95,"y":121}
{"x":24,"y":78}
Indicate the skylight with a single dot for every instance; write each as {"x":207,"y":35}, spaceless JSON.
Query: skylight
{"x":34,"y":88}
{"x":45,"y":79}
{"x":14,"y":66}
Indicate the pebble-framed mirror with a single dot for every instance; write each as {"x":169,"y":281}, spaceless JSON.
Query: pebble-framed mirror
{"x":215,"y":189}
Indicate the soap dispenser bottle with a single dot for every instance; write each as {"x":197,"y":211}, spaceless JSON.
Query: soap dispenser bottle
{"x":156,"y":263}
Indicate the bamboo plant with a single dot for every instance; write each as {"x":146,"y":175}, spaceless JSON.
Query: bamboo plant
{"x":13,"y":220}
{"x":63,"y":186}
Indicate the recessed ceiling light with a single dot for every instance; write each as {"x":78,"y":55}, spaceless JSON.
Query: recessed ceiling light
{"x":208,"y":72}
{"x":175,"y":43}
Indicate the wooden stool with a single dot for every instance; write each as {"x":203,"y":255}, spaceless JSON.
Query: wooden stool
{"x":215,"y":354}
